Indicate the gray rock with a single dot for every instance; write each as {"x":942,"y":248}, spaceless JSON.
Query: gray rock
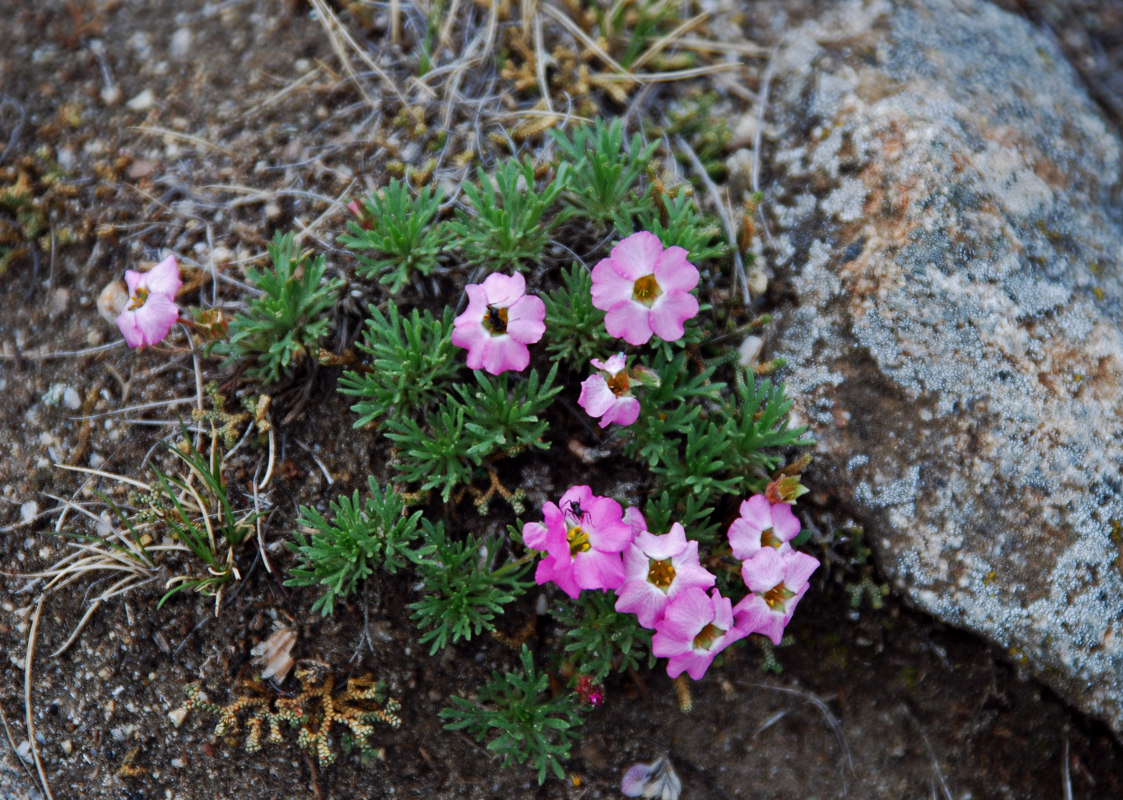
{"x":945,"y":204}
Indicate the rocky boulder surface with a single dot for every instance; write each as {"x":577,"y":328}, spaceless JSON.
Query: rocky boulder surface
{"x":943,"y":201}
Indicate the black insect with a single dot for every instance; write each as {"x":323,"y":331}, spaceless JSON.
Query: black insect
{"x":495,"y":319}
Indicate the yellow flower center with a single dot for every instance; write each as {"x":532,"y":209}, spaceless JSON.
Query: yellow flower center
{"x":768,"y":538}
{"x":578,"y":540}
{"x":777,"y":596}
{"x":496,"y":320}
{"x":661,"y":574}
{"x":619,"y":383}
{"x":139,"y":300}
{"x":645,"y":289}
{"x":707,"y":636}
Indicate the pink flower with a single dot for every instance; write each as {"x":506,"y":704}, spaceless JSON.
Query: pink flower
{"x":654,"y":781}
{"x":500,"y":321}
{"x":762,"y":524}
{"x":583,"y":539}
{"x":777,"y":580}
{"x":656,"y":569}
{"x":695,"y":628}
{"x":607,"y":394}
{"x":590,"y":692}
{"x":151,"y":311}
{"x":645,"y":289}
{"x":364,"y":220}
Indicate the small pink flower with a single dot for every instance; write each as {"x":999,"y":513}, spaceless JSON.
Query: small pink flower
{"x":777,"y":580}
{"x":364,"y":220}
{"x":608,"y":395}
{"x":589,"y":692}
{"x":656,"y":569}
{"x":694,"y":629}
{"x":654,"y":781}
{"x":151,"y":311}
{"x":500,"y":321}
{"x":583,"y":537}
{"x":762,"y":524}
{"x":645,"y":289}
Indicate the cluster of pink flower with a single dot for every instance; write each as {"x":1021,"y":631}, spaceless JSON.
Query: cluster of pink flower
{"x":590,"y":542}
{"x":643,"y":289}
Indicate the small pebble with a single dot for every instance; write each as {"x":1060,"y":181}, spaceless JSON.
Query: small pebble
{"x":179,"y":47}
{"x":71,"y":399}
{"x":67,"y":746}
{"x":112,"y":301}
{"x":749,"y":351}
{"x":28,"y":511}
{"x":177,"y":716}
{"x":143,"y":101}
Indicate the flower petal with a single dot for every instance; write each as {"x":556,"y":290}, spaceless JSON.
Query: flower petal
{"x":609,"y":286}
{"x":757,"y":511}
{"x":534,"y":535}
{"x":550,"y":569}
{"x":624,"y":411}
{"x":596,"y":398}
{"x":155,"y":318}
{"x":764,"y":571}
{"x":502,"y":353}
{"x":503,"y":290}
{"x":662,"y":547}
{"x":163,"y":278}
{"x":674,"y":273}
{"x":637,"y":255}
{"x":130,"y":328}
{"x":669,"y":312}
{"x":594,"y":569}
{"x":784,"y":522}
{"x":647,"y":602}
{"x":630,"y":321}
{"x":526,"y":319}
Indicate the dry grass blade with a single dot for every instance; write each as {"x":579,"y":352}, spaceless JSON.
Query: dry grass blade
{"x":824,"y":709}
{"x":663,"y":77}
{"x":341,"y":40}
{"x":12,"y":743}
{"x":723,"y":212}
{"x":28,"y":708}
{"x":762,"y":108}
{"x":111,"y":476}
{"x":48,"y":355}
{"x":939,"y":773}
{"x":1066,"y":775}
{"x":540,"y":63}
{"x":663,"y":42}
{"x":747,"y":49}
{"x":156,"y":130}
{"x":580,"y":35}
{"x":281,"y":94}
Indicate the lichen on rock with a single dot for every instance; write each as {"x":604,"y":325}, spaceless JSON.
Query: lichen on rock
{"x":945,"y":205}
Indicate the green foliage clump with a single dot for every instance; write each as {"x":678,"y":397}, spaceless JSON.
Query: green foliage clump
{"x":471,"y":425}
{"x":601,"y":640}
{"x":509,"y":223}
{"x":194,"y":506}
{"x":574,"y":328}
{"x":397,"y":238}
{"x":603,"y":187}
{"x":363,"y":533}
{"x":676,"y":220}
{"x":521,"y":722}
{"x":292,"y":317}
{"x":412,"y":365}
{"x":463,"y":590}
{"x":701,"y":444}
